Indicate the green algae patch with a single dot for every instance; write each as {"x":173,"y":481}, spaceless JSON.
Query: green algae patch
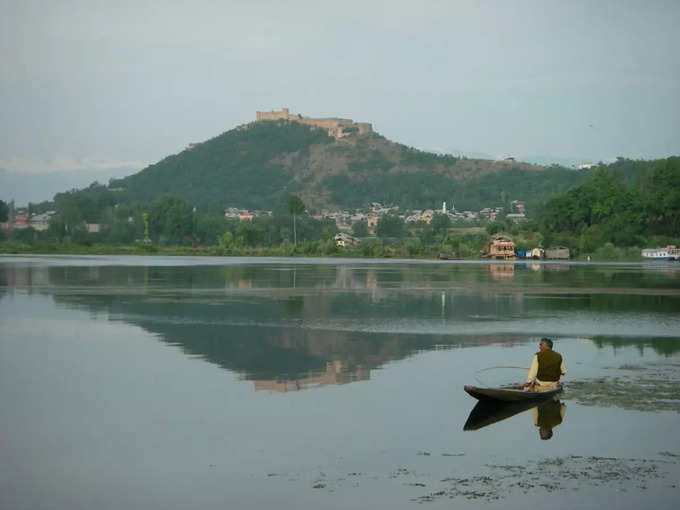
{"x":647,"y":388}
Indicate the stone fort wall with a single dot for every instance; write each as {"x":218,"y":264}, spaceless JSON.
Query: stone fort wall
{"x":336,"y":127}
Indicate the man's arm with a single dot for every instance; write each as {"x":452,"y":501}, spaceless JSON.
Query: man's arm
{"x":563,"y":369}
{"x":533,"y":370}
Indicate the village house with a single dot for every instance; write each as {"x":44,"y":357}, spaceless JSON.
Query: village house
{"x":516,"y":217}
{"x":20,"y":222}
{"x":491,"y":213}
{"x":424,"y":216}
{"x":41,"y":222}
{"x":372,"y":223}
{"x":243,"y":214}
{"x":519,"y":206}
{"x":343,"y":240}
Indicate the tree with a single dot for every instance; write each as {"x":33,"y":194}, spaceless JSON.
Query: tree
{"x":226,"y":240}
{"x":248,"y":234}
{"x":295,"y":206}
{"x":4,"y":211}
{"x":170,"y":219}
{"x":390,"y":225}
{"x":440,"y":223}
{"x":360,"y":228}
{"x":209,"y":228}
{"x":663,"y":197}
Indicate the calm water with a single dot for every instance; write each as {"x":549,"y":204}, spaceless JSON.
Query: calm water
{"x":133,"y":382}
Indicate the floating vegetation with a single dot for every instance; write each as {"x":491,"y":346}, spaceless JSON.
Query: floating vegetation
{"x":500,"y":481}
{"x":650,"y":388}
{"x":554,"y":474}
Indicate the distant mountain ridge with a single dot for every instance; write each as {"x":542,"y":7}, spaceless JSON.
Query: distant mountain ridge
{"x":251,"y":165}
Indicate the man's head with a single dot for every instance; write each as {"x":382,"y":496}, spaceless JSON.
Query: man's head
{"x":545,"y":433}
{"x":545,"y":343}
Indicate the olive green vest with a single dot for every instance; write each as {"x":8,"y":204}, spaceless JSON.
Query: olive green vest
{"x":549,"y":363}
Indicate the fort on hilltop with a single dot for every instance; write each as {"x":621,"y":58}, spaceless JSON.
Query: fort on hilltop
{"x":336,"y":127}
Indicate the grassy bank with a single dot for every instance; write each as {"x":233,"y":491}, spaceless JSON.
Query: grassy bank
{"x":372,"y":248}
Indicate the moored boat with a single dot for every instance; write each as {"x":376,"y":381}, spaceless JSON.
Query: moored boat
{"x":514,"y":393}
{"x":670,"y":252}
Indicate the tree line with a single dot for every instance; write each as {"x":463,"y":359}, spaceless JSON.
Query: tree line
{"x":623,"y":204}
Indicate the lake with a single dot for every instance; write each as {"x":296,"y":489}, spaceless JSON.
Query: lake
{"x":186,"y":382}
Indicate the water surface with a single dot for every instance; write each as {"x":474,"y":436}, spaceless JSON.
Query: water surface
{"x":249,"y":383}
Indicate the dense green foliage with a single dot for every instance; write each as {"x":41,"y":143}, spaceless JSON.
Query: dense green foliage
{"x":425,"y":160}
{"x":391,"y":225}
{"x":171,"y":222}
{"x":612,"y":206}
{"x":426,"y":189}
{"x":235,"y":168}
{"x":251,"y":167}
{"x":360,"y":229}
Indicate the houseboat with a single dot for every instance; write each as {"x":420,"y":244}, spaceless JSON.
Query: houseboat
{"x":670,"y":252}
{"x":501,"y":247}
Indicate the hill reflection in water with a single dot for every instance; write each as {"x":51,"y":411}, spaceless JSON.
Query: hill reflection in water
{"x":290,"y":326}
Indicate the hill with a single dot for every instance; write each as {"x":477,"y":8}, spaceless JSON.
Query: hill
{"x":252,"y":165}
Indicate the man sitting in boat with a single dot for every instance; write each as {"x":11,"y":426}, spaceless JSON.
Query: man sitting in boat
{"x":546,"y":368}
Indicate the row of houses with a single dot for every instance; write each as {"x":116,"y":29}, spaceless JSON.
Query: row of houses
{"x":21,"y":221}
{"x":345,"y":219}
{"x":501,"y":247}
{"x":39,"y":222}
{"x":243,"y":214}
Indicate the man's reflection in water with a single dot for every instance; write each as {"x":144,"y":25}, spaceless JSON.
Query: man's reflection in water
{"x":547,"y":416}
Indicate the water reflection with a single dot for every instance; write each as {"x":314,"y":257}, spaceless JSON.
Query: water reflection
{"x":663,"y":346}
{"x":487,"y":413}
{"x":546,"y":415}
{"x":337,"y":372}
{"x":501,"y":271}
{"x":291,"y":325}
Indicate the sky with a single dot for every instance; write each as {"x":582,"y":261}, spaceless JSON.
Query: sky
{"x":94,"y":89}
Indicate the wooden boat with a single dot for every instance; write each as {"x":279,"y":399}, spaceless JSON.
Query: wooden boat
{"x":510,"y":393}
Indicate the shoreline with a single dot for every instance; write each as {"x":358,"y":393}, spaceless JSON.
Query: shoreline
{"x":289,"y":252}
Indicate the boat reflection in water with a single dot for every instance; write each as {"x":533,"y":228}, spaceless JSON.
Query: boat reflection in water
{"x":546,"y":415}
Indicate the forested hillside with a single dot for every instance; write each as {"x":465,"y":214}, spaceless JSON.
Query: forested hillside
{"x":236,"y":168}
{"x":252,"y":166}
{"x":290,"y":169}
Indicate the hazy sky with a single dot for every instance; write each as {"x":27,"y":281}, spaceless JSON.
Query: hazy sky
{"x":101,"y":85}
